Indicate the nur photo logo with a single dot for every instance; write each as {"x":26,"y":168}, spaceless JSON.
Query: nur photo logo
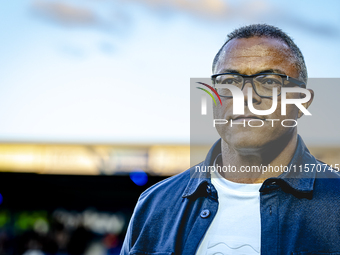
{"x":236,"y":94}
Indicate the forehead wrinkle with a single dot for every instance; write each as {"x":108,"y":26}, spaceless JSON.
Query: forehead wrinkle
{"x":257,"y":51}
{"x":261,"y":49}
{"x":254,"y":56}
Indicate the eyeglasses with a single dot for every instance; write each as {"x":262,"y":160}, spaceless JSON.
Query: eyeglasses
{"x":262,"y":83}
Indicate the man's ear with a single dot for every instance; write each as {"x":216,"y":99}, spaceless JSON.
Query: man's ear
{"x":307,"y":104}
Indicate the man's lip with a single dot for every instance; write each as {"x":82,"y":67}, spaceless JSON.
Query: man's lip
{"x":246,"y":117}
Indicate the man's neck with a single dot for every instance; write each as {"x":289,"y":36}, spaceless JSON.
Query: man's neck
{"x":274,"y":156}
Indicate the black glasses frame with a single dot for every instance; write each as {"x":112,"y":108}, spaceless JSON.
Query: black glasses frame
{"x":296,"y":82}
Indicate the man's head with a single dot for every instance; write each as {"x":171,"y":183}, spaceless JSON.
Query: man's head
{"x":251,"y":50}
{"x":267,"y":31}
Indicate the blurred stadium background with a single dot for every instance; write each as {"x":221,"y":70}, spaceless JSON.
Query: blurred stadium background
{"x":95,"y":106}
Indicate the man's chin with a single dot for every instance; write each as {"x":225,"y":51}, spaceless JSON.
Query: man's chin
{"x":247,"y":139}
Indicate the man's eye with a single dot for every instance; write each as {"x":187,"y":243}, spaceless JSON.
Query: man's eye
{"x":230,"y":81}
{"x":270,"y":82}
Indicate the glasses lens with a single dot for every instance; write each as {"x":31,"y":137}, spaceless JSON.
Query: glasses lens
{"x":228,"y":79}
{"x":265,"y":83}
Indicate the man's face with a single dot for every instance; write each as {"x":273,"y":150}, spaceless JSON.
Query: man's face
{"x":251,"y":56}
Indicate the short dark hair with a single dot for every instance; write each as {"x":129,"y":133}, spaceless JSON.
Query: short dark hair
{"x":264,"y":30}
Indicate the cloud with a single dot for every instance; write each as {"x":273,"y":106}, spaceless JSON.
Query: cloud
{"x":215,"y":8}
{"x":208,"y":8}
{"x":118,"y":19}
{"x":251,"y":11}
{"x":65,"y":13}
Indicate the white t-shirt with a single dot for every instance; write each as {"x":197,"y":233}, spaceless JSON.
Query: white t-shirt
{"x":236,"y":228}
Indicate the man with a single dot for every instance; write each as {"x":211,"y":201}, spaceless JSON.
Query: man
{"x":295,"y":211}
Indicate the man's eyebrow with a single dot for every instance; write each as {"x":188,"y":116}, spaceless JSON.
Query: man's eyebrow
{"x":272,"y":71}
{"x":261,"y":71}
{"x":229,"y":71}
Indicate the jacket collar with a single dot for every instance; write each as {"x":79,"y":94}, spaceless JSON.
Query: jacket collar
{"x":297,"y":179}
{"x":197,"y":177}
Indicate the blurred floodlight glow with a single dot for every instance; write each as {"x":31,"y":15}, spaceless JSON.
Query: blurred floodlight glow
{"x":139,"y":178}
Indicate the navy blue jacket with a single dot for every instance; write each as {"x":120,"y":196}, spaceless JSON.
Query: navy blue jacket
{"x":300,"y":211}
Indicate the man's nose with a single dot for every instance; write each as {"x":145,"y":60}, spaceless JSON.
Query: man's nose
{"x":256,"y":99}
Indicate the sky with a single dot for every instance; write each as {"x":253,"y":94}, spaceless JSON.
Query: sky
{"x":104,"y":71}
